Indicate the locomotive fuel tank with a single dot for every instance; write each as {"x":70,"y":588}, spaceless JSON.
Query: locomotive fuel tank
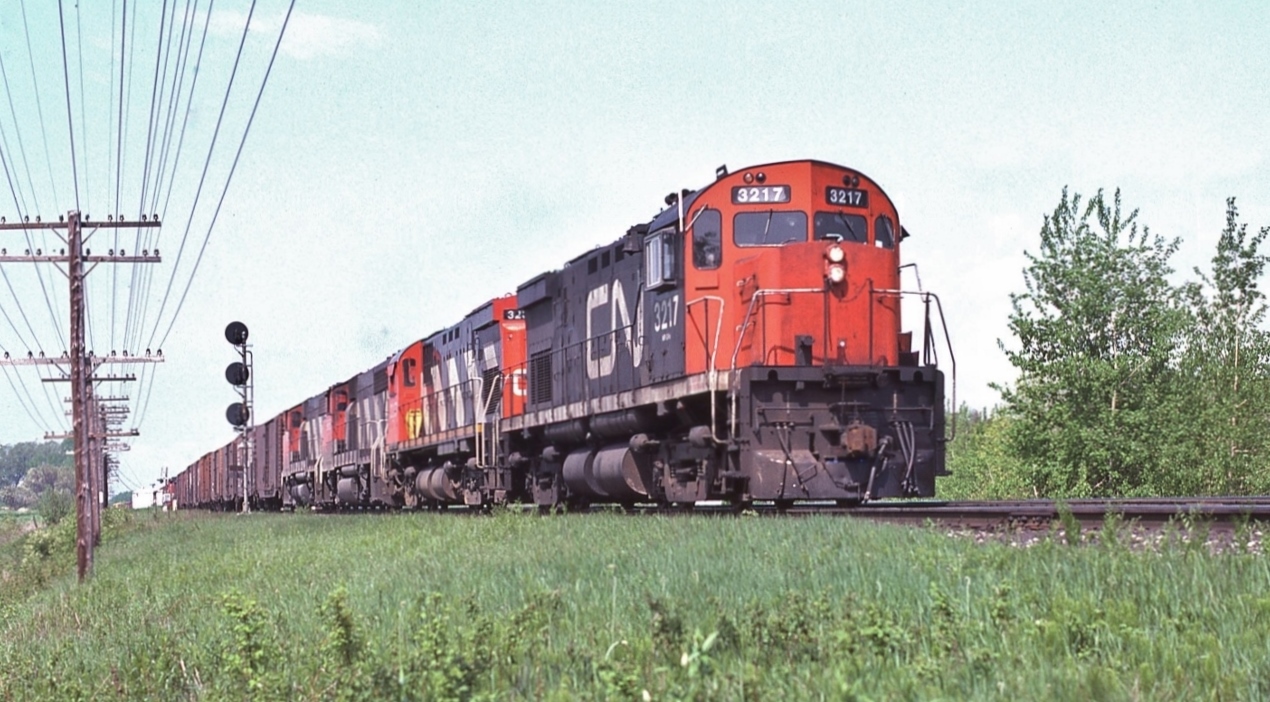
{"x":436,"y":484}
{"x":614,"y":473}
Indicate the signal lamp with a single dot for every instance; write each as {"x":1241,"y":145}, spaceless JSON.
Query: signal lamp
{"x":236,"y":333}
{"x":237,"y":414}
{"x":749,"y":178}
{"x":237,"y":374}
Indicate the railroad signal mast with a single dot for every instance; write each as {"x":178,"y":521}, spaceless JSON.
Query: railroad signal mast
{"x":239,"y":413}
{"x":90,"y":430}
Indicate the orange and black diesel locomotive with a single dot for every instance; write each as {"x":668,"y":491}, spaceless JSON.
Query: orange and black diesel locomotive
{"x":744,"y":344}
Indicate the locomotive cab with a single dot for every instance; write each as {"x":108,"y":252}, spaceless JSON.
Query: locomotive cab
{"x":809,"y":255}
{"x":793,"y":300}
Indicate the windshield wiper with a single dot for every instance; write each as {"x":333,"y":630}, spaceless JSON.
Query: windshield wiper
{"x":847,"y":223}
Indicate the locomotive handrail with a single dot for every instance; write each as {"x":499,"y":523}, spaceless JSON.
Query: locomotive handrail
{"x":712,"y":373}
{"x":928,"y":348}
{"x":486,"y":397}
{"x":451,"y":396}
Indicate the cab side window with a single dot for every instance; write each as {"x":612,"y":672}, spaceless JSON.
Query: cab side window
{"x":883,"y":232}
{"x":660,"y":262}
{"x":707,"y":240}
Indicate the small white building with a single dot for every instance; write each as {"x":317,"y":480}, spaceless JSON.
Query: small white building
{"x":151,"y":495}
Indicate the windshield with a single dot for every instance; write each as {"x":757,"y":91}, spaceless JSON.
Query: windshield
{"x":841,"y":227}
{"x":770,"y":228}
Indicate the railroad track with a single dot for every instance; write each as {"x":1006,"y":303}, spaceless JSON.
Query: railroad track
{"x":1216,"y":511}
{"x":1221,"y":513}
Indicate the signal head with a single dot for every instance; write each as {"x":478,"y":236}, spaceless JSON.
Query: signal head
{"x":236,"y":333}
{"x":237,"y":374}
{"x":237,"y":414}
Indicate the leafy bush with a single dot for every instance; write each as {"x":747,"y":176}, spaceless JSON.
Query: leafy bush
{"x":55,"y":505}
{"x":980,"y":460}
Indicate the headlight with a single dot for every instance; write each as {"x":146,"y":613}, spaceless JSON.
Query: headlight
{"x":837,"y":274}
{"x":836,"y":254}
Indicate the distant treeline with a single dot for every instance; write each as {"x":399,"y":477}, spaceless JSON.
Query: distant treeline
{"x":29,"y":470}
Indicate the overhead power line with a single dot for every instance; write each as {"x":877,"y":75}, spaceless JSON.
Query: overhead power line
{"x":112,"y":160}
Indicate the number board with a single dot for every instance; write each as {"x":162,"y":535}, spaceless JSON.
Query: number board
{"x":847,"y":197}
{"x":515,"y":313}
{"x":759,"y":194}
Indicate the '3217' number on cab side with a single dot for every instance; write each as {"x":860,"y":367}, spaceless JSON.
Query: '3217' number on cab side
{"x":665,"y":315}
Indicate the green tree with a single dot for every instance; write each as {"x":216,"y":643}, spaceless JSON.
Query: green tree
{"x":1096,"y":333}
{"x":17,"y":459}
{"x":16,"y":497}
{"x":1226,"y":370}
{"x":44,"y":478}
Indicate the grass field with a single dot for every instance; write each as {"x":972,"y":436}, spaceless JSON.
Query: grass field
{"x":605,"y":606}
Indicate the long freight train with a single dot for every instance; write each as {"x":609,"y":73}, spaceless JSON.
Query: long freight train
{"x":745,"y":344}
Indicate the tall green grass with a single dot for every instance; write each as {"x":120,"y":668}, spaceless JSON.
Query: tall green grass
{"x":603,"y":606}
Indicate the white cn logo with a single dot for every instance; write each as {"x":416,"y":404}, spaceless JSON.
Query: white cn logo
{"x":620,"y":326}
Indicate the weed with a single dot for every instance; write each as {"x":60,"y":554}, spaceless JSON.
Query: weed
{"x":1112,"y":525}
{"x":1069,"y":523}
{"x":246,"y":659}
{"x":1243,"y":537}
{"x":342,"y":645}
{"x":667,"y":628}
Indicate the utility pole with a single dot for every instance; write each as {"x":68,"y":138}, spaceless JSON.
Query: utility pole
{"x":79,"y":367}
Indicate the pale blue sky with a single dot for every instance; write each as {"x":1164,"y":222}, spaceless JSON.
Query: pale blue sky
{"x":411,"y":160}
